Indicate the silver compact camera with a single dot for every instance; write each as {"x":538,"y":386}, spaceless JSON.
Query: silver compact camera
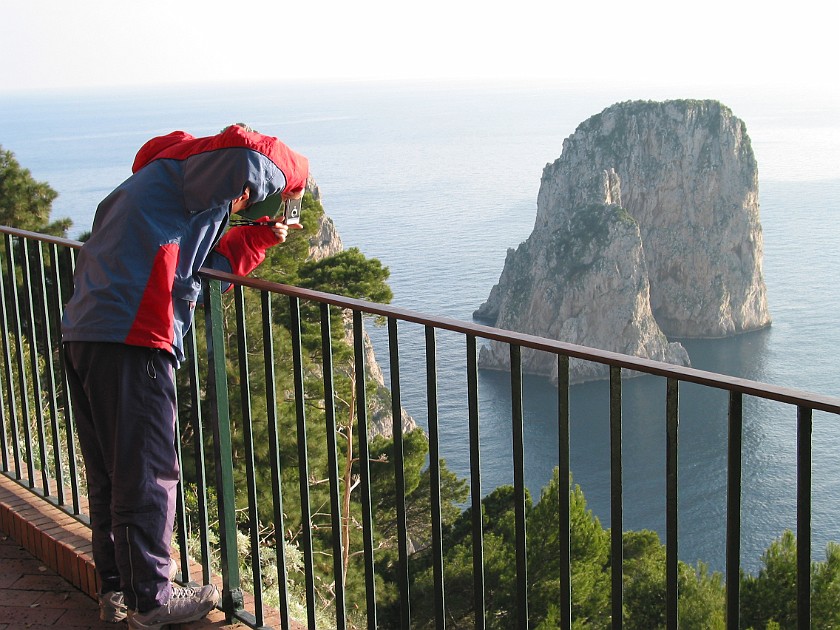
{"x":291,"y":214}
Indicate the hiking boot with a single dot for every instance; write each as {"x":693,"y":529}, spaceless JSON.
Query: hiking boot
{"x":112,"y":604}
{"x":112,"y":607}
{"x":186,"y":604}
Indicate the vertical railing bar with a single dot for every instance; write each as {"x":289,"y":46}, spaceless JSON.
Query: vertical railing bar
{"x":52,"y":315}
{"x":518,"y":432}
{"x":248,"y":437}
{"x":21,"y":363}
{"x":399,"y":473}
{"x":274,"y":456}
{"x":63,"y":291}
{"x":4,"y":436}
{"x":332,"y":457}
{"x":49,"y":375}
{"x":364,"y":467}
{"x":733,"y":511}
{"x":616,"y":499}
{"x":9,"y":379}
{"x":434,"y":472}
{"x":219,"y":416}
{"x":564,"y":488}
{"x":69,"y":269}
{"x":303,"y":462}
{"x":671,"y":516}
{"x":803,"y":518}
{"x":479,"y":603}
{"x":196,"y":419}
{"x":180,"y":502}
{"x":29,"y":303}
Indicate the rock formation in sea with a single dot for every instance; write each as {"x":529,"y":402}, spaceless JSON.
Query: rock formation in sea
{"x":647,"y":225}
{"x":326,"y":242}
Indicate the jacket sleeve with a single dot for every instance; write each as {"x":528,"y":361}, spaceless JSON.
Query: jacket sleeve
{"x":243,"y":248}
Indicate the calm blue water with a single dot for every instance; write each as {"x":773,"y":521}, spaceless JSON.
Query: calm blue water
{"x":438,"y":181}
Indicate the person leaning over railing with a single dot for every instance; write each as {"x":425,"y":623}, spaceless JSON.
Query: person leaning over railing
{"x":136,"y":286}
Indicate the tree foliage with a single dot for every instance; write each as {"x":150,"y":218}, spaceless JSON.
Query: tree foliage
{"x":590,"y":548}
{"x":24,"y":202}
{"x":701,"y":603}
{"x":768,"y":600}
{"x":347,"y":273}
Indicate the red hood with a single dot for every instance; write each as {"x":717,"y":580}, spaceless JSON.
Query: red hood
{"x":180,"y":145}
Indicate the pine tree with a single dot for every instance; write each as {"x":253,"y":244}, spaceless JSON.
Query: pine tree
{"x":24,"y":202}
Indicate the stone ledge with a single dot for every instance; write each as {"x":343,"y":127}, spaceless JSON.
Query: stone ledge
{"x":63,"y":544}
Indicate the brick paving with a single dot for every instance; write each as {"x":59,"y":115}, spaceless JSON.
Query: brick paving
{"x":47,"y":579}
{"x":34,"y":596}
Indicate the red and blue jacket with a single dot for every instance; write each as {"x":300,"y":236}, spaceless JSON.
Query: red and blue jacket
{"x":136,"y":277}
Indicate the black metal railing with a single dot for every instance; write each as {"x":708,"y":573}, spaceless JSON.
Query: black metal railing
{"x":219,"y":375}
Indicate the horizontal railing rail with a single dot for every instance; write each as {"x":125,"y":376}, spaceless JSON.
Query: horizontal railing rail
{"x":218,"y":413}
{"x":791,"y":396}
{"x":691,"y":375}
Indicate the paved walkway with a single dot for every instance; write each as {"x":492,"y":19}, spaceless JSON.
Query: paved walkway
{"x":47,"y":578}
{"x":34,"y":597}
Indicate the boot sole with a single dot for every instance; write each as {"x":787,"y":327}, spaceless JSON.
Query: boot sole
{"x":199,"y":614}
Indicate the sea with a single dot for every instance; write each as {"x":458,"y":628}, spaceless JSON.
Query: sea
{"x":438,"y":180}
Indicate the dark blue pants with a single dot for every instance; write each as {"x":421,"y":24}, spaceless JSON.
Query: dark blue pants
{"x":123,"y":401}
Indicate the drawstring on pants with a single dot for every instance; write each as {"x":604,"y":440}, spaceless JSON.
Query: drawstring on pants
{"x":150,"y":365}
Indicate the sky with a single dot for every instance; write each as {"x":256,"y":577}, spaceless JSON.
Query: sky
{"x":56,"y":44}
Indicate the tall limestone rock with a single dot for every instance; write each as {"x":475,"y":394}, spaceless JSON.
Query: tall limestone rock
{"x":585,"y":282}
{"x":648,"y":220}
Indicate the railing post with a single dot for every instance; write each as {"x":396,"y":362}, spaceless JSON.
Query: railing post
{"x":250,"y":463}
{"x":733,"y":512}
{"x":180,"y":500}
{"x":364,"y":467}
{"x":475,"y":486}
{"x":564,"y":488}
{"x":616,"y":500}
{"x":332,"y":458}
{"x":35,"y":373}
{"x":23,"y":385}
{"x":274,"y":455}
{"x":200,"y":469}
{"x":219,"y":416}
{"x":62,"y":278}
{"x":399,"y":473}
{"x":37,"y":296}
{"x":303,"y":461}
{"x":434,"y":482}
{"x":56,"y":307}
{"x":803,"y":518}
{"x":672,"y":422}
{"x":518,"y":432}
{"x":9,"y":378}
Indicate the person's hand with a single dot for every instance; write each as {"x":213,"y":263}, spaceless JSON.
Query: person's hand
{"x":281,"y":230}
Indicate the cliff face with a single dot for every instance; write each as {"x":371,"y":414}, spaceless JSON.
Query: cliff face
{"x":586,"y":282}
{"x":647,"y":224}
{"x":326,"y":242}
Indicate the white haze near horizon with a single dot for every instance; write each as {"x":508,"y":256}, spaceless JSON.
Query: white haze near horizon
{"x":54,"y":44}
